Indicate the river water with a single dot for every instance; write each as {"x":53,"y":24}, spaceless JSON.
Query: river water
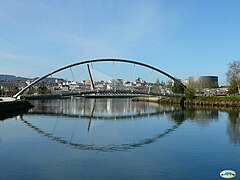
{"x":118,"y":139}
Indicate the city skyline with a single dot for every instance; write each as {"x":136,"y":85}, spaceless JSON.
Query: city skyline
{"x":186,"y":38}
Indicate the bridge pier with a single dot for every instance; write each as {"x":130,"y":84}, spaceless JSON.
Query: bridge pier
{"x":91,"y":79}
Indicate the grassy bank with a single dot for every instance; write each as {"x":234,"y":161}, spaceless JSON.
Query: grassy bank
{"x":218,"y":98}
{"x":226,"y":101}
{"x":160,"y":99}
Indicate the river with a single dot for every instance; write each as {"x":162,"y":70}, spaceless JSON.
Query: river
{"x":83,"y":138}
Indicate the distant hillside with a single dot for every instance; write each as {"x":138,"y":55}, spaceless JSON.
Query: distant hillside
{"x":5,"y":77}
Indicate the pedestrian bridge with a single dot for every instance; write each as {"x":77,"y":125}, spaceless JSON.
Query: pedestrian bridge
{"x":106,"y":92}
{"x":116,"y":93}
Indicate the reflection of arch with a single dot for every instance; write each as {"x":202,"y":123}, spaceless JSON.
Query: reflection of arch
{"x":97,"y":60}
{"x":104,"y":148}
{"x":112,"y":117}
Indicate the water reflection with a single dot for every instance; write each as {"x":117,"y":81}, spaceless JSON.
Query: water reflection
{"x":83,"y":107}
{"x":233,"y":127}
{"x":96,"y":111}
{"x":12,"y":113}
{"x":105,"y":148}
{"x":203,"y":117}
{"x":116,"y":124}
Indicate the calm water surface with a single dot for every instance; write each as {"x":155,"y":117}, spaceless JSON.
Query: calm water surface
{"x":118,"y":139}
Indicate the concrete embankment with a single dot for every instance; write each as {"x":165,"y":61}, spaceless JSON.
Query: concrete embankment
{"x":13,"y":108}
{"x":197,"y":101}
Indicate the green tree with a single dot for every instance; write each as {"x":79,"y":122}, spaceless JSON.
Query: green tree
{"x":190,"y":92}
{"x":31,"y":90}
{"x":233,"y":88}
{"x":44,"y":90}
{"x":177,"y":87}
{"x":233,"y":77}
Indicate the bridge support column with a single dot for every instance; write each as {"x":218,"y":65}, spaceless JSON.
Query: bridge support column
{"x":91,"y":79}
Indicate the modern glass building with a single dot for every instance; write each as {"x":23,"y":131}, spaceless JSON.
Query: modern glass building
{"x":201,"y":82}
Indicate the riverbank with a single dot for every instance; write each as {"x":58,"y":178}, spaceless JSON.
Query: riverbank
{"x":215,"y":101}
{"x":13,"y":108}
{"x":160,"y":99}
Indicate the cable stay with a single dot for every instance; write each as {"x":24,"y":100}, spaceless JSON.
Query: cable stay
{"x":114,"y":78}
{"x":114,"y":131}
{"x":73,"y":132}
{"x":133,"y":76}
{"x":133,"y":127}
{"x":55,"y":125}
{"x":149,"y":90}
{"x":92,"y":70}
{"x":73,"y":78}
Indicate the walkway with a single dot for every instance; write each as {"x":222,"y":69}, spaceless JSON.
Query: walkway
{"x":7,"y":99}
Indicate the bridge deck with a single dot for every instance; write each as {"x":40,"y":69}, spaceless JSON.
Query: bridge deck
{"x":7,"y":99}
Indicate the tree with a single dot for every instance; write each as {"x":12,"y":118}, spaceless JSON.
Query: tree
{"x":177,"y":87}
{"x":233,"y":88}
{"x":233,"y":76}
{"x":31,"y":90}
{"x":44,"y":90}
{"x":157,"y":88}
{"x":190,"y":92}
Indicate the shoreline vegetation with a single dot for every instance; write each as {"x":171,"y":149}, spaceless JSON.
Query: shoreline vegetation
{"x":212,"y":101}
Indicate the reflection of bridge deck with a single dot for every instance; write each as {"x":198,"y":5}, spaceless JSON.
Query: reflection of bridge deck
{"x":111,"y":117}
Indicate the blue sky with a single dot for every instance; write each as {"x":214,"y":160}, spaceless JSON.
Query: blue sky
{"x":183,"y":38}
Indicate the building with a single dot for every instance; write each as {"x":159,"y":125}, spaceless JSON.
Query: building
{"x":201,"y":82}
{"x":185,"y":82}
{"x":8,"y":88}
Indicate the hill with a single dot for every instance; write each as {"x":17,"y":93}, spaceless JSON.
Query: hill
{"x":5,"y":77}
